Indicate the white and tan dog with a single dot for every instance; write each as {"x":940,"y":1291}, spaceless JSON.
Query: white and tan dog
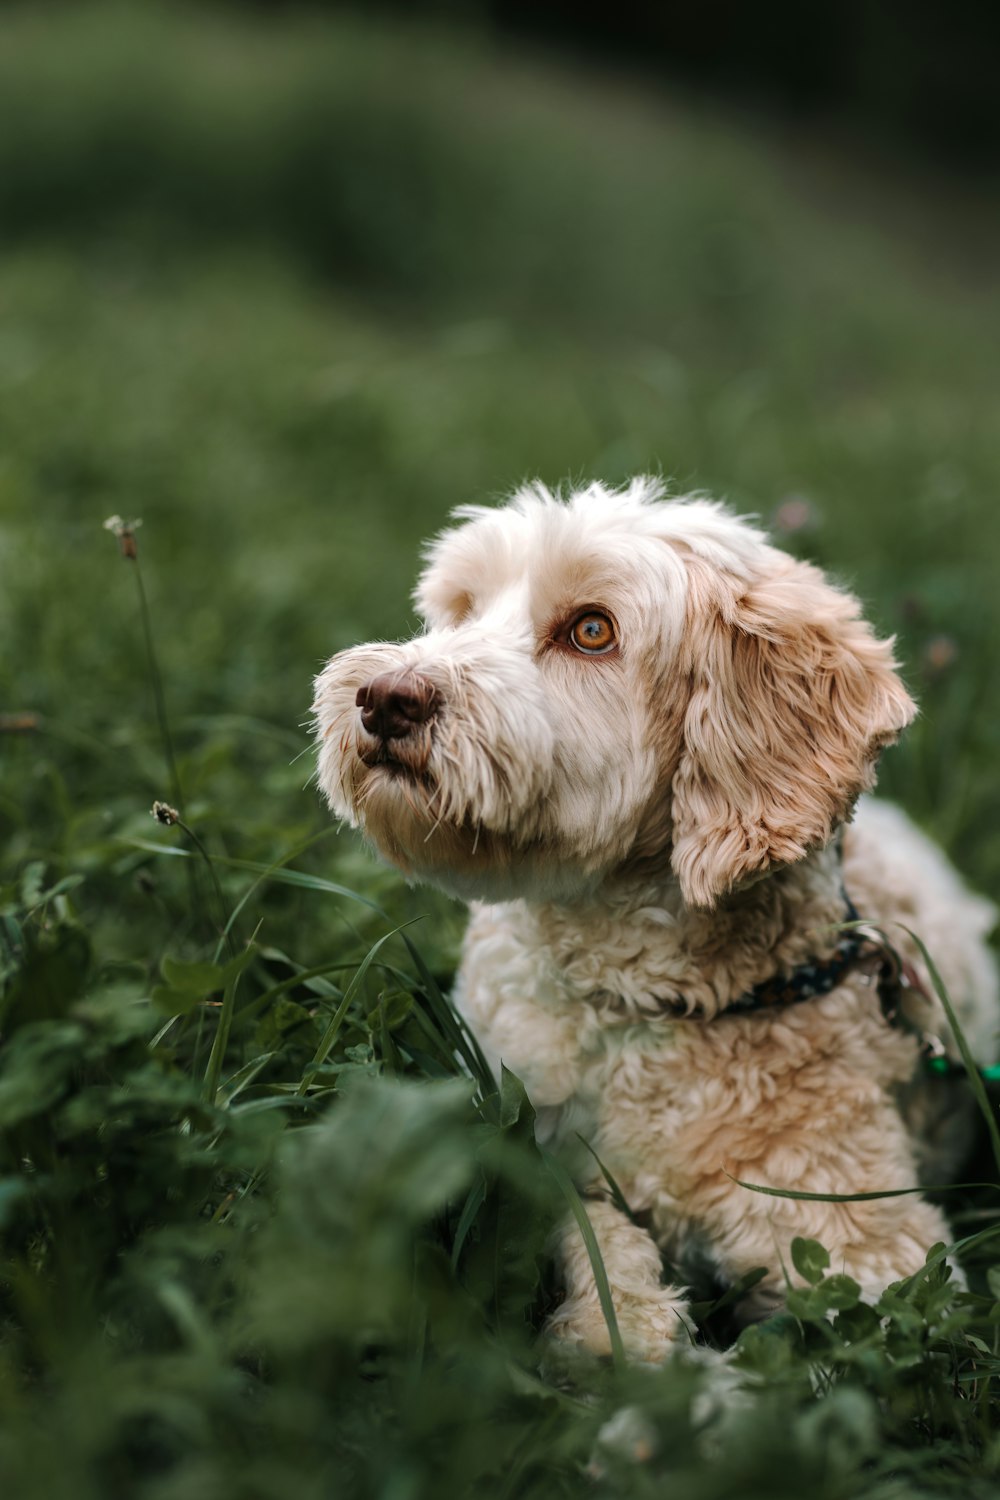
{"x":632,"y":736}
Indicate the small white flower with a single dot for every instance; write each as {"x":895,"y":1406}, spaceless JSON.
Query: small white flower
{"x":125,"y":532}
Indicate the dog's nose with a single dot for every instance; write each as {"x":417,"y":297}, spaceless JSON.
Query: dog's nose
{"x":395,"y":703}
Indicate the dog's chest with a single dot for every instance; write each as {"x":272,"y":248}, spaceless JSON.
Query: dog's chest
{"x":662,"y":1100}
{"x":588,"y":1062}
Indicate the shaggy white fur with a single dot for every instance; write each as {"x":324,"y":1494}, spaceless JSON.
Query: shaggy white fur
{"x":636,"y":730}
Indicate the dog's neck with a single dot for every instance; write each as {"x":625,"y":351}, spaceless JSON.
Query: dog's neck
{"x":638,"y":949}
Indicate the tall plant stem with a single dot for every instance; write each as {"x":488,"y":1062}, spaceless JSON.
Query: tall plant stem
{"x":159,"y":698}
{"x":225,"y":925}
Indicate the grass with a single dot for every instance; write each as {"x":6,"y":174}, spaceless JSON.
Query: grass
{"x":288,"y":292}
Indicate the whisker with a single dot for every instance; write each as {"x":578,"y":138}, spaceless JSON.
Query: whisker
{"x":437,"y":821}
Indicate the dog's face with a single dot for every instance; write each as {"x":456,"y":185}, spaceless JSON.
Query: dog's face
{"x":613,"y":682}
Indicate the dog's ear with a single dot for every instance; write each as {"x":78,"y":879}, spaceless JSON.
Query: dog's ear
{"x":792,"y":698}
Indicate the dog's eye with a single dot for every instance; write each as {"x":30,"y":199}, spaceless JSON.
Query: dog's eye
{"x":593,"y":633}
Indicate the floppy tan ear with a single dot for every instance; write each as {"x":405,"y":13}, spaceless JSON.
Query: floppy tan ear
{"x":792,"y":699}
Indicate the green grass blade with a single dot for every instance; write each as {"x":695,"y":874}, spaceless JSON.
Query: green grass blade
{"x":262,"y":1001}
{"x":238,"y":1081}
{"x":263,"y":878}
{"x":771,"y":1192}
{"x":220,"y":1041}
{"x":471,"y":1207}
{"x":333,"y":1029}
{"x":281,"y":875}
{"x":617,"y":1196}
{"x":453,"y":1024}
{"x":579,"y":1213}
{"x":971,"y":1068}
{"x":390,"y":1052}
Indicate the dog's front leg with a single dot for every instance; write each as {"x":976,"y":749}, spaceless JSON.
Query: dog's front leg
{"x":873,"y":1256}
{"x":874,"y":1242}
{"x":650,"y":1315}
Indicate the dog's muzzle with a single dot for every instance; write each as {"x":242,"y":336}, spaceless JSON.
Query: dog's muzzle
{"x":397,"y":714}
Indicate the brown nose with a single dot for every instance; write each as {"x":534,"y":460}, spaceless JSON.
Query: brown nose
{"x":395,"y":703}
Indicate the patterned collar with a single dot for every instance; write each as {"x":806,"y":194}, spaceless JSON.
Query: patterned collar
{"x":893,"y":975}
{"x":816,"y":977}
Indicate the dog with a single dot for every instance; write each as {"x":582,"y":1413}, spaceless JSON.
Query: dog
{"x":634,"y":737}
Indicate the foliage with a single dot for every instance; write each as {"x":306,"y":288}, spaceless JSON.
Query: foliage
{"x":267,"y":1225}
{"x":339,"y":1288}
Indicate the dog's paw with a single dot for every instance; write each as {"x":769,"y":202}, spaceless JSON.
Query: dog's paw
{"x":650,"y":1326}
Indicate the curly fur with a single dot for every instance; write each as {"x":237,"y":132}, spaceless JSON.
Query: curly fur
{"x":664,"y":825}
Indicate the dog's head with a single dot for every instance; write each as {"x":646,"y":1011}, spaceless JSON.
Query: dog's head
{"x":606,"y":683}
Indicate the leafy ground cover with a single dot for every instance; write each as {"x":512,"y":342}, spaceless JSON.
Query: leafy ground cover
{"x":287,"y":293}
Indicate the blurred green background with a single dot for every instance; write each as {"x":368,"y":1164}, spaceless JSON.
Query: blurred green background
{"x":288,"y":283}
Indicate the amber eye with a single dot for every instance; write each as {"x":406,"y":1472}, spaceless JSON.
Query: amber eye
{"x":593,"y":633}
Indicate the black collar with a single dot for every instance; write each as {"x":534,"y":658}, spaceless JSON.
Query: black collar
{"x":817,"y":976}
{"x":810,"y":980}
{"x":893,"y":976}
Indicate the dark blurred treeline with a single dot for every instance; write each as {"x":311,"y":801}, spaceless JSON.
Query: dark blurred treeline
{"x":924,"y":72}
{"x":925,"y":69}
